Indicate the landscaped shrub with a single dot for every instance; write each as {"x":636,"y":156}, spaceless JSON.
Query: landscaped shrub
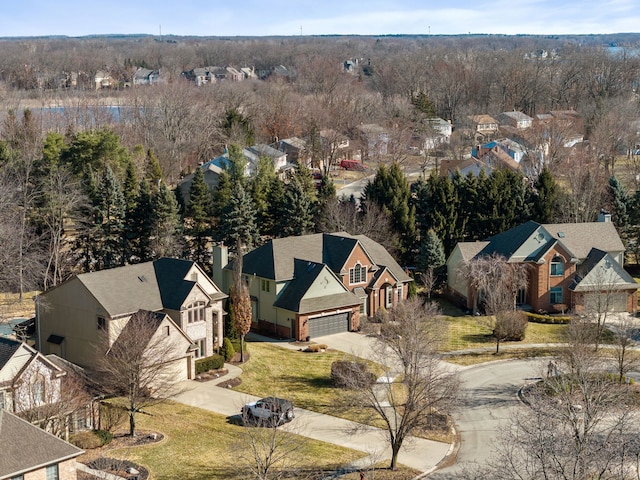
{"x":91,"y":439}
{"x":539,"y":318}
{"x":214,"y":362}
{"x":316,"y":347}
{"x":510,"y":326}
{"x":345,"y":373}
{"x":227,"y":350}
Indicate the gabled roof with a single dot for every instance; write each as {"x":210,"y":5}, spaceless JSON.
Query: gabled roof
{"x":18,"y":356}
{"x":148,"y":286}
{"x":275,"y":259}
{"x":600,"y":271}
{"x":580,"y":238}
{"x":530,"y":240}
{"x":306,"y":273}
{"x":26,"y":447}
{"x":7,"y":348}
{"x":154,"y":319}
{"x":508,"y":242}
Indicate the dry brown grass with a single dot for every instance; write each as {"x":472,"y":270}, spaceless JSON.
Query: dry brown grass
{"x":12,"y":307}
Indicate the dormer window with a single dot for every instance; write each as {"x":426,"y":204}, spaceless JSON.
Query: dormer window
{"x":557,"y":266}
{"x":357,"y":274}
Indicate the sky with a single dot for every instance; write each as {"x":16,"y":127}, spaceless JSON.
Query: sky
{"x":316,"y":17}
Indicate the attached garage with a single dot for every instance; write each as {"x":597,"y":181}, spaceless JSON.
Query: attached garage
{"x":609,"y":302}
{"x":329,"y":324}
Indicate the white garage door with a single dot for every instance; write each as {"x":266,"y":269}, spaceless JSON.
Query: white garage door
{"x":601,"y":302}
{"x":321,"y":326}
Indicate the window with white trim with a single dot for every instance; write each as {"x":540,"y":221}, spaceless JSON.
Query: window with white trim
{"x":357,"y":274}
{"x":389,"y":296}
{"x":201,"y":350}
{"x":265,"y":285}
{"x":196,"y":312}
{"x":557,"y":266}
{"x":2,"y":405}
{"x":399,"y":288}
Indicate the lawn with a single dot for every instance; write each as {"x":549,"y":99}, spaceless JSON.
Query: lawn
{"x":200,"y":444}
{"x":474,"y":332}
{"x":302,"y":377}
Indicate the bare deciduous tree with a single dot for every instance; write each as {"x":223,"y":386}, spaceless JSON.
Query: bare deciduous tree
{"x":265,"y":452}
{"x":409,"y":336}
{"x":138,"y":364}
{"x":496,"y":283}
{"x":578,"y":424}
{"x":242,"y":311}
{"x":625,"y":356}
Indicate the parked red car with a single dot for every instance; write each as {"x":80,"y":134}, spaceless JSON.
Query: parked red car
{"x":353,"y":165}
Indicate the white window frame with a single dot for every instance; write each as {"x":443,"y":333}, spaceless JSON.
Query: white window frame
{"x":357,"y":274}
{"x":196,"y":312}
{"x":400,"y":292}
{"x":389,"y":296}
{"x":201,"y":350}
{"x":265,"y":285}
{"x":558,"y":262}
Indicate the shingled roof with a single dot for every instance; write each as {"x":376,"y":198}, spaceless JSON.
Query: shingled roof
{"x":26,"y":447}
{"x":147,"y":286}
{"x":275,"y":259}
{"x":305,"y":274}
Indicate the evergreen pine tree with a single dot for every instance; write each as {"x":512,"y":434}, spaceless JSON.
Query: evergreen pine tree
{"x":166,"y":225}
{"x":270,"y":221}
{"x":130,"y":191}
{"x":431,"y":252}
{"x":110,"y":209}
{"x":390,"y":190}
{"x":152,"y":171}
{"x":141,"y":225}
{"x":296,"y":211}
{"x":198,"y":220}
{"x":620,"y":204}
{"x":545,"y":198}
{"x":260,"y":187}
{"x":238,"y":220}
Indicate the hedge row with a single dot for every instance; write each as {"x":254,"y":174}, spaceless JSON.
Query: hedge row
{"x":214,"y":362}
{"x":539,"y":318}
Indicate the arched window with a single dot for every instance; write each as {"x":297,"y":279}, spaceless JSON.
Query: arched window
{"x":557,"y":266}
{"x":357,"y":274}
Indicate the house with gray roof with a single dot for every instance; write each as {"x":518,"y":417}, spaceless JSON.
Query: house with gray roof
{"x":570,"y":266}
{"x":315,"y":285}
{"x":76,"y":315}
{"x":29,"y":452}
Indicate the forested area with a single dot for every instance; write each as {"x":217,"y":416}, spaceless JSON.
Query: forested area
{"x":84,"y":190}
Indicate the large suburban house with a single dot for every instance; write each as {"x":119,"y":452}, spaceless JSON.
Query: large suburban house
{"x":29,"y":452}
{"x":175,"y":295}
{"x":516,"y":119}
{"x":572,"y":266}
{"x":314,"y":285}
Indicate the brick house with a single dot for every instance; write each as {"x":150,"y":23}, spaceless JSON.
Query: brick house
{"x":317,"y":284}
{"x":571,"y":266}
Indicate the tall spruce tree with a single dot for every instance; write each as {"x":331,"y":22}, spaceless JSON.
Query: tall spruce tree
{"x":141,"y":225}
{"x":431,"y":252}
{"x":152,"y":171}
{"x":620,"y":204}
{"x":130,"y":191}
{"x":167,"y":239}
{"x":389,"y":190}
{"x":198,"y":220}
{"x":296,"y":210}
{"x":545,"y":198}
{"x":238,"y":220}
{"x":110,"y":209}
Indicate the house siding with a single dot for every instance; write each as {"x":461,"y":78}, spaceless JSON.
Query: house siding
{"x":66,"y":471}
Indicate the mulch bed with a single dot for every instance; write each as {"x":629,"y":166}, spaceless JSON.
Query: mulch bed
{"x":211,"y":375}
{"x":121,"y":468}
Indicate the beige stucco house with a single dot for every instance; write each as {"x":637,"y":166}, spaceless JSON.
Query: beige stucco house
{"x":73,"y":317}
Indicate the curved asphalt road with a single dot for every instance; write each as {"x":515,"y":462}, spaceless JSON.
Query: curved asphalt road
{"x":489,"y":398}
